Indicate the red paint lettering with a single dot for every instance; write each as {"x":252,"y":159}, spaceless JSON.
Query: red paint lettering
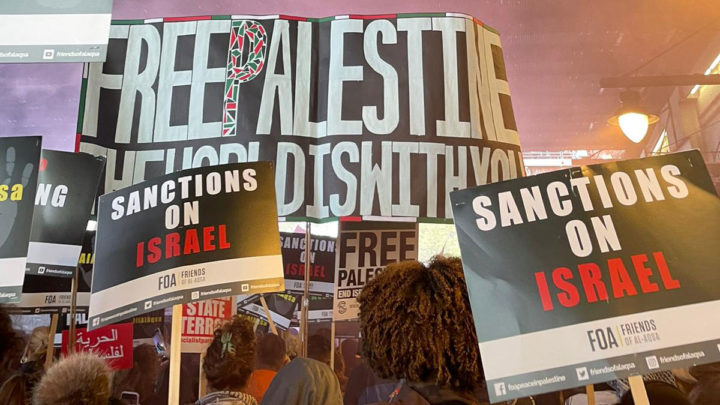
{"x":620,"y":279}
{"x":592,"y":282}
{"x":208,"y":238}
{"x":155,"y":253}
{"x":192,"y":244}
{"x":543,"y":291}
{"x":643,"y":274}
{"x":569,"y":296}
{"x":669,"y":282}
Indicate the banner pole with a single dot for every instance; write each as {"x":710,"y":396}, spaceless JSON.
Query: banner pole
{"x":637,"y":387}
{"x":306,"y":294}
{"x":175,"y":355}
{"x":590,"y":391}
{"x":267,"y":313}
{"x":332,"y":345}
{"x":202,"y":382}
{"x":51,"y":341}
{"x":73,"y":310}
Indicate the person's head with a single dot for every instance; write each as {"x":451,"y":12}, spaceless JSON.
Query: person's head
{"x":318,"y":348}
{"x":416,"y":324}
{"x":229,"y":358}
{"x":707,"y":392}
{"x":293,"y":345}
{"x":271,"y":352}
{"x":81,"y":378}
{"x":304,"y":381}
{"x":659,"y":393}
{"x":141,"y":378}
{"x":36,"y":349}
{"x":11,"y":345}
{"x":14,"y":390}
{"x":705,"y":371}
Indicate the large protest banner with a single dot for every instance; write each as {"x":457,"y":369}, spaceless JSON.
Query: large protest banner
{"x":200,"y":319}
{"x":594,"y":273}
{"x":363,"y":251}
{"x":193,"y":235}
{"x":66,"y":189}
{"x":322,"y":263}
{"x":363,"y":115}
{"x":19,"y":159}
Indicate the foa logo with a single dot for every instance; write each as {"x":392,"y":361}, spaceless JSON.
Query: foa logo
{"x":602,"y":339}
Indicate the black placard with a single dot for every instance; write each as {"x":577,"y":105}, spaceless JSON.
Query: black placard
{"x":19,"y":160}
{"x":594,"y":273}
{"x":67,"y":187}
{"x":322,"y":263}
{"x":196,"y":234}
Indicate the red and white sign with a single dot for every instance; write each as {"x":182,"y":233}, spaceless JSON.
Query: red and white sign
{"x":200,"y":319}
{"x":114,"y":343}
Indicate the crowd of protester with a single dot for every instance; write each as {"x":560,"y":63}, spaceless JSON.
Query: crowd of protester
{"x":418,"y":347}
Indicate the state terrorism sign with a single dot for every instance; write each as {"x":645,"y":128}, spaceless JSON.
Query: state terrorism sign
{"x":362,"y":115}
{"x":364,"y":250}
{"x":19,"y":160}
{"x":592,"y":274}
{"x":321,"y":268}
{"x":200,"y":319}
{"x":196,"y":234}
{"x":66,"y":190}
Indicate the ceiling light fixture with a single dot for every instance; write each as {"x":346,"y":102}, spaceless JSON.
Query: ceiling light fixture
{"x":632,"y":118}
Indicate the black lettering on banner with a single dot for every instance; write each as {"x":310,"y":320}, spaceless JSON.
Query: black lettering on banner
{"x":364,"y":249}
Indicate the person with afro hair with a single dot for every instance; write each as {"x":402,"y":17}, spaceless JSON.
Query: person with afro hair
{"x":417,"y":327}
{"x":78,"y":379}
{"x":229,"y":361}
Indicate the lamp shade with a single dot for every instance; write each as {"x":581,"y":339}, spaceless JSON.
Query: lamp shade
{"x":631,"y":119}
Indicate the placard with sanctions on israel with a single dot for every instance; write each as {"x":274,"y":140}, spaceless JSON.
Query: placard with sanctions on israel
{"x":592,"y":274}
{"x":192,"y":235}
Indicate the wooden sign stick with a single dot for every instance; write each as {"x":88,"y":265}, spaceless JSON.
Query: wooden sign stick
{"x":175,"y":355}
{"x":267,"y":313}
{"x":332,"y":345}
{"x":306,"y":294}
{"x":202,"y":382}
{"x":49,"y":356}
{"x":637,"y":387}
{"x":590,"y":391}
{"x":73,"y":310}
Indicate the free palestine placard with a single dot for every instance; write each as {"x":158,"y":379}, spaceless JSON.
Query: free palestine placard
{"x":364,"y":250}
